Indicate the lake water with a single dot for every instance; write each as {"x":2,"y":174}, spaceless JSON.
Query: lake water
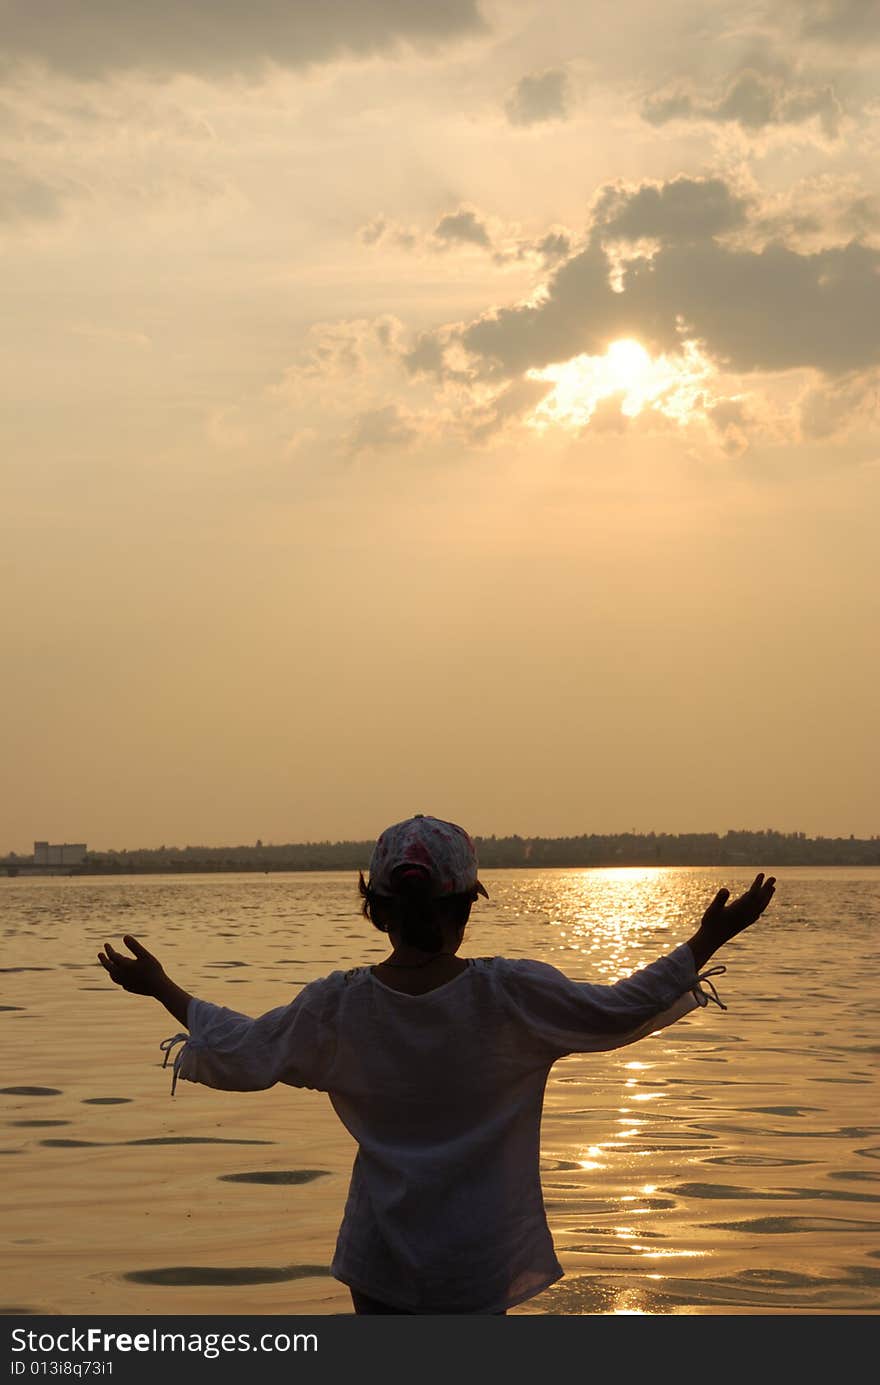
{"x":728,"y":1164}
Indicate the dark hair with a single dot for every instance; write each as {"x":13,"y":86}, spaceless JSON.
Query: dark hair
{"x":412,"y":912}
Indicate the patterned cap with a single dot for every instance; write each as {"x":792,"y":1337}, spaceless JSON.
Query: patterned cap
{"x":440,"y":851}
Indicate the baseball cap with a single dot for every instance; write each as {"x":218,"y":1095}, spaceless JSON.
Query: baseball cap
{"x":439,"y":851}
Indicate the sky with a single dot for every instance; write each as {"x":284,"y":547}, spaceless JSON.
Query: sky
{"x":468,"y":409}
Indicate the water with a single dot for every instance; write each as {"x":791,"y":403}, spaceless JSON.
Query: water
{"x":728,"y":1164}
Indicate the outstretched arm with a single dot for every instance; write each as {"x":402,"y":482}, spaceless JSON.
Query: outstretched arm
{"x":225,"y":1049}
{"x":144,"y":974}
{"x":556,"y":1015}
{"x":722,"y":921}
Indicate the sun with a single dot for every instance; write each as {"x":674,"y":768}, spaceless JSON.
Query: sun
{"x":628,"y":363}
{"x":671,"y":385}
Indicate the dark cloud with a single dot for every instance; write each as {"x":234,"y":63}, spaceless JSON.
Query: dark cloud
{"x":728,"y":412}
{"x":608,"y":415}
{"x":381,"y":230}
{"x":731,"y":419}
{"x":23,"y":198}
{"x":683,"y":210}
{"x":373,"y":231}
{"x":753,"y":100}
{"x":95,"y":38}
{"x":386,"y":330}
{"x":575,"y":317}
{"x":426,"y":357}
{"x":462,"y":226}
{"x":554,"y":246}
{"x":542,"y":96}
{"x":772,"y":309}
{"x":845,"y":22}
{"x":520,"y":397}
{"x":862,"y":216}
{"x":662,"y":107}
{"x":379,"y":430}
{"x":826,"y":410}
{"x":769,"y":310}
{"x":465,"y":227}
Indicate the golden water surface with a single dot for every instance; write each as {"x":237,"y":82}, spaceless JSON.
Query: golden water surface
{"x":728,"y":1164}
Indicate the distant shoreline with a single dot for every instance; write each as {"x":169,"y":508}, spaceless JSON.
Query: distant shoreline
{"x":25,"y":872}
{"x":639,"y":850}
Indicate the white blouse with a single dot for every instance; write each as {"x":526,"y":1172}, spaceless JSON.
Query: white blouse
{"x":443,"y":1094}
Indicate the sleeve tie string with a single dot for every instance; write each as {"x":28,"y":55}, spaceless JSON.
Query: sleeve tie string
{"x":711,"y":994}
{"x":168,"y":1044}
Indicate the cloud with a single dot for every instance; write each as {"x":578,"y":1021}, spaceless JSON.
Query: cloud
{"x":373,"y":231}
{"x":831,"y":410}
{"x":538,"y":98}
{"x":464,"y":229}
{"x":484,"y":417}
{"x":329,"y":403}
{"x":380,"y":229}
{"x":772,"y":309}
{"x":844,"y":22}
{"x":462,"y":226}
{"x":359,"y":362}
{"x":29,"y":197}
{"x":338,"y":359}
{"x":754,"y":101}
{"x":608,"y":415}
{"x":381,"y":430}
{"x":555,"y":245}
{"x":730,"y":418}
{"x":218,"y":37}
{"x":813,"y":213}
{"x":680,"y":211}
{"x":862,"y":216}
{"x":24,"y":198}
{"x":427,"y":356}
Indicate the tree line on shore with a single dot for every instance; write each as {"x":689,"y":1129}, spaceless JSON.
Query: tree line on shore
{"x":752,"y":848}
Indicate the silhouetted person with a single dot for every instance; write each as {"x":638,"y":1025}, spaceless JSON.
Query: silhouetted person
{"x":436,"y":1065}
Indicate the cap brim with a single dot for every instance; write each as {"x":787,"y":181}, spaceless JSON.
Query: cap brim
{"x":481,"y":889}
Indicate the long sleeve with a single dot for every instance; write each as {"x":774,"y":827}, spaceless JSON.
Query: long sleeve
{"x":291,"y":1044}
{"x":557,"y":1016}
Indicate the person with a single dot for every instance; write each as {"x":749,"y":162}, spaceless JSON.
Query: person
{"x":436,"y":1064}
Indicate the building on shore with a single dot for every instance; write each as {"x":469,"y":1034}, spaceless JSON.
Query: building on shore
{"x":59,"y":854}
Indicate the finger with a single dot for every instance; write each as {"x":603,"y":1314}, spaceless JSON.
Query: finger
{"x":720,"y":899}
{"x":756,"y":883}
{"x":137,"y":948}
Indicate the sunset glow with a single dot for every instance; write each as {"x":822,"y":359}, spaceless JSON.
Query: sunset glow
{"x":318,"y":312}
{"x":672,"y":385}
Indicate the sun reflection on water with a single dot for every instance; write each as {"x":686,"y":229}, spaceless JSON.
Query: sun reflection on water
{"x":655,"y":1254}
{"x":604,"y":913}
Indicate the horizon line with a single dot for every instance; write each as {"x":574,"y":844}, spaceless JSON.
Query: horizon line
{"x":258,"y":843}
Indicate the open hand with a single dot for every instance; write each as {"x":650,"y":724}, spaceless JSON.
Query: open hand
{"x":722,"y":921}
{"x":139,"y":974}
